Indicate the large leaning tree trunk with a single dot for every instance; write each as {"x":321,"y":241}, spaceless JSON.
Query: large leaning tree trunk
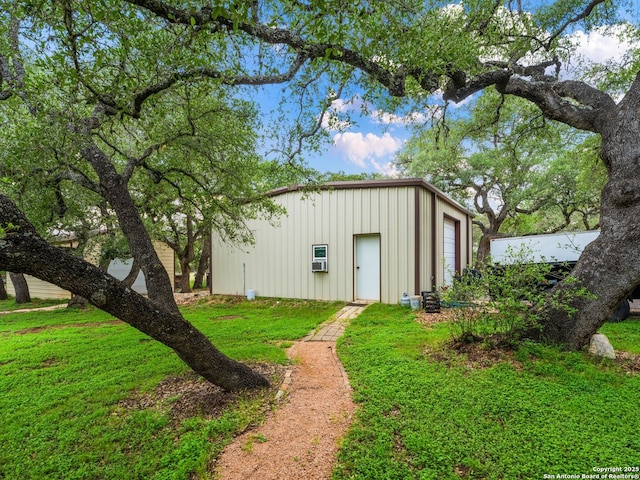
{"x":609,"y":268}
{"x":78,"y":301}
{"x":23,"y":250}
{"x":115,"y":190}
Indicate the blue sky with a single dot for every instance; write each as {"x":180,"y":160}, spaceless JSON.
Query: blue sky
{"x":371,"y":142}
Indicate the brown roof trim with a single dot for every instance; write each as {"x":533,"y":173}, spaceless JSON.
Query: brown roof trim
{"x":383,"y":183}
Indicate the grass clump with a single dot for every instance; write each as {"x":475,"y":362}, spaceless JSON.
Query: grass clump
{"x":427,"y":411}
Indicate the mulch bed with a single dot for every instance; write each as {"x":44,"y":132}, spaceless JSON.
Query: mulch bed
{"x":190,"y":395}
{"x":479,"y":355}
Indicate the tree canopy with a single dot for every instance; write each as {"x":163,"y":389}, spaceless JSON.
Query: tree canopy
{"x":513,"y":166}
{"x":85,"y":72}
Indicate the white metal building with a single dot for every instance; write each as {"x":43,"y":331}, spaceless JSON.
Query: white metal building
{"x":365,"y":240}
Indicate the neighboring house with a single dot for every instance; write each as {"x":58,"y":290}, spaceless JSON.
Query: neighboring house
{"x":118,"y":268}
{"x":365,"y":240}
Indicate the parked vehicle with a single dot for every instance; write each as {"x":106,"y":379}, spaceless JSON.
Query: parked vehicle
{"x":560,"y":250}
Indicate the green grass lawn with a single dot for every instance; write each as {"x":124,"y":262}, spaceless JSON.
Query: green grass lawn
{"x":427,"y":412}
{"x":424,"y":411}
{"x":64,"y":373}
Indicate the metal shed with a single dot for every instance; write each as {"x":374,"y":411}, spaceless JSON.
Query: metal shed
{"x":364,"y":240}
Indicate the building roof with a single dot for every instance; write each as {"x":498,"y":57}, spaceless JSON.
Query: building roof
{"x":382,"y":183}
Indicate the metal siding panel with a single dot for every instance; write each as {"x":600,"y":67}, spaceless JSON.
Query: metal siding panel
{"x":312,"y":235}
{"x":167,"y":258}
{"x":326,"y":236}
{"x":307,"y":281}
{"x":364,"y":210}
{"x":395,"y":223}
{"x":290,"y":245}
{"x":227,"y":268}
{"x":390,"y":245}
{"x":409,"y":238}
{"x":345,"y":239}
{"x":336,"y":249}
{"x":291,"y":249}
{"x":405,"y":235}
{"x":373,"y":208}
{"x":358,"y":212}
{"x":278,"y":265}
{"x":427,"y":241}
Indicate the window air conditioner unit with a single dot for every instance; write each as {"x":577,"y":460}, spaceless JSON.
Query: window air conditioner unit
{"x":319,"y":266}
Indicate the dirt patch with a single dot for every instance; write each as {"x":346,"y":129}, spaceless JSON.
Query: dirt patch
{"x":66,"y":325}
{"x":190,"y":395}
{"x":190,"y":298}
{"x":428,"y":319}
{"x":471,"y":356}
{"x":34,"y":309}
{"x":628,"y":362}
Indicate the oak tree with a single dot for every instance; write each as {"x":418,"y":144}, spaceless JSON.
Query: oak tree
{"x":512,"y":165}
{"x":59,"y":65}
{"x":413,"y":50}
{"x":108,"y":60}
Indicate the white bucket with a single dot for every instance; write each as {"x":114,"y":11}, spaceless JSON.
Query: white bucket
{"x":251,"y":294}
{"x":415,"y":303}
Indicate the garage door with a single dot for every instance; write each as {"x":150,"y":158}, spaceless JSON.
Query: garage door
{"x":450,"y":251}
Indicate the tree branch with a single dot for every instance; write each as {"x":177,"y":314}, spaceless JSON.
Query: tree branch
{"x":581,"y":16}
{"x":22,"y":250}
{"x":305,"y":50}
{"x":550,"y":98}
{"x":202,"y":72}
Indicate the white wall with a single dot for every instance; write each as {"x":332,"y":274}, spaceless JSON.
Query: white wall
{"x":279,"y":265}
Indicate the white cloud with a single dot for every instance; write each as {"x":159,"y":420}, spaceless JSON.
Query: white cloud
{"x":359,"y":148}
{"x":602,"y":45}
{"x":340,"y":108}
{"x":387,"y":169}
{"x":386,"y":118}
{"x":341,"y":105}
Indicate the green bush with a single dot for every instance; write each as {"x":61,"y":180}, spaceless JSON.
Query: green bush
{"x":503,"y":300}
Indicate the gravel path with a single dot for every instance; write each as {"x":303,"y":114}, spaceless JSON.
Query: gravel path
{"x":300,"y":439}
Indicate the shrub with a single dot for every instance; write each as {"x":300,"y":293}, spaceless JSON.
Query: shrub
{"x":502,"y":300}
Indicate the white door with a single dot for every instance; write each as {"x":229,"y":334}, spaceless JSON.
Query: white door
{"x":367,"y":267}
{"x":449,"y":251}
